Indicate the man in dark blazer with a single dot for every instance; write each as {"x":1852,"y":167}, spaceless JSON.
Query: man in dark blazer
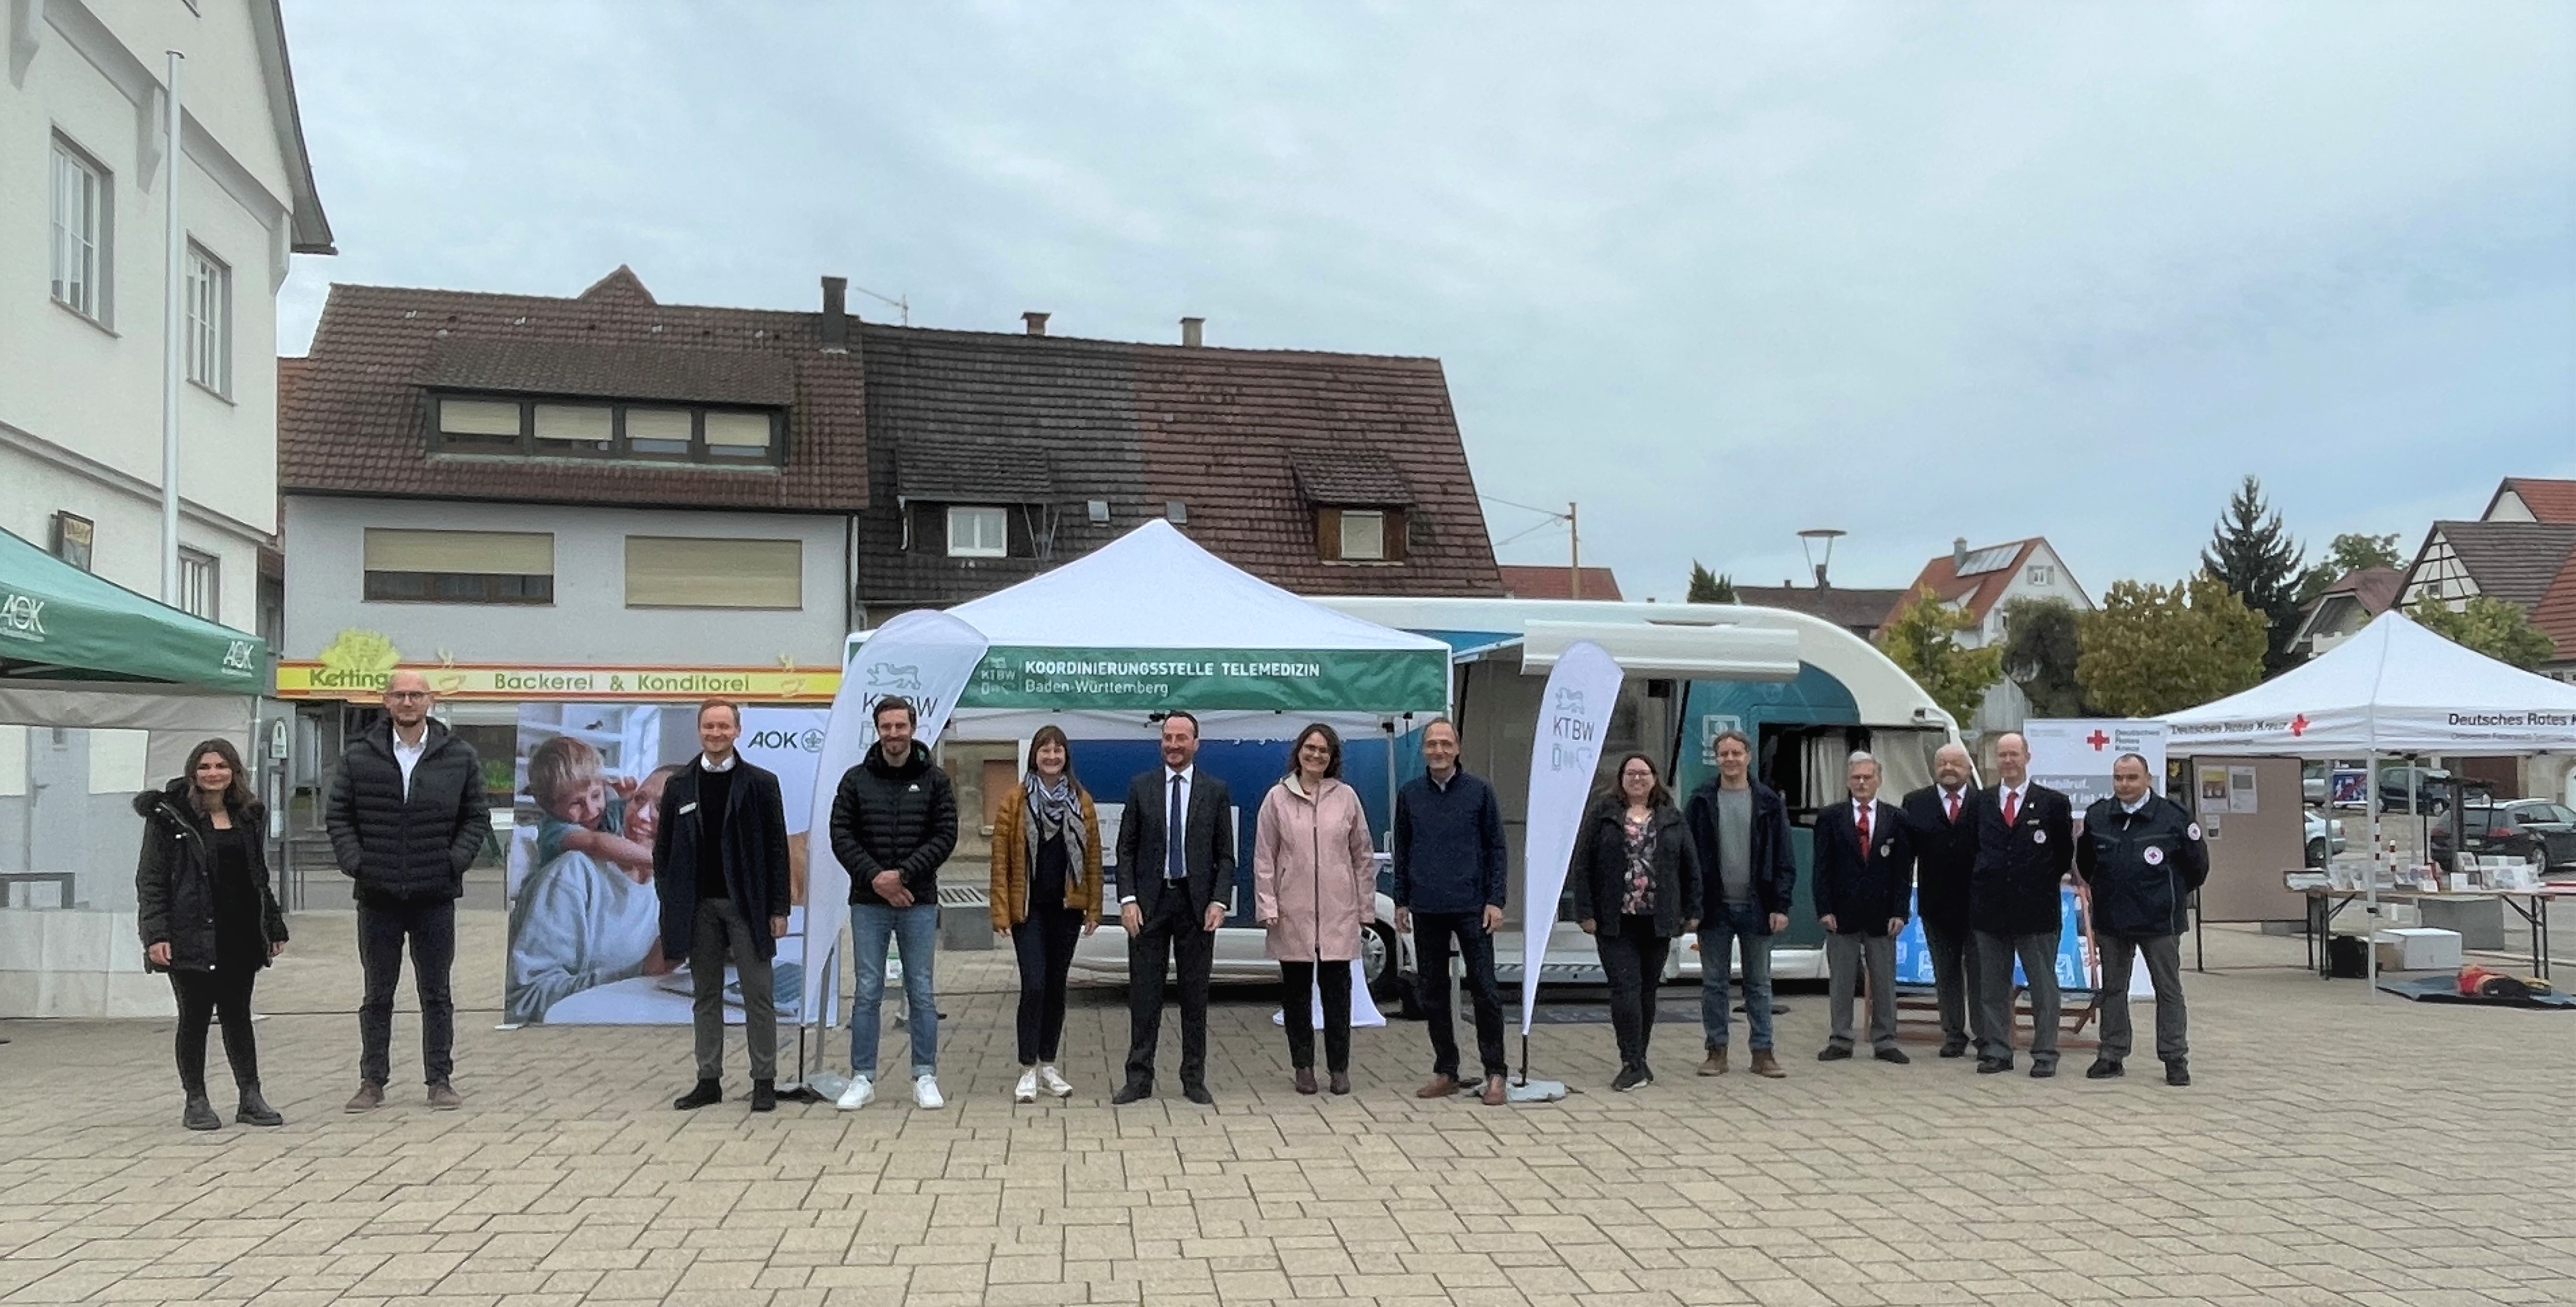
{"x":1864,"y":886}
{"x":720,"y":870}
{"x":1942,"y":820}
{"x":1172,"y":897}
{"x":2025,"y":848}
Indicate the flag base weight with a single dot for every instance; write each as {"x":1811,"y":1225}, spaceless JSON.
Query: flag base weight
{"x":1534,"y":1091}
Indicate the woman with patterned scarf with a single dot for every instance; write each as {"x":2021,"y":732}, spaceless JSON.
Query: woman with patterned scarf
{"x":1046,"y":893}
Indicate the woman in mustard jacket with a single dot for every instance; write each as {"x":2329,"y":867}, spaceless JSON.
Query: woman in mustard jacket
{"x":1314,"y":883}
{"x":1046,"y":893}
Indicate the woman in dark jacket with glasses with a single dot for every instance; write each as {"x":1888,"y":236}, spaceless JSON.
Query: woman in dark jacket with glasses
{"x":1636,"y":886}
{"x":209,"y":918}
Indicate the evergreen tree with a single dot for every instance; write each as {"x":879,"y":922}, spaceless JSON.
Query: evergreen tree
{"x":2252,"y":554}
{"x":1709,"y":588}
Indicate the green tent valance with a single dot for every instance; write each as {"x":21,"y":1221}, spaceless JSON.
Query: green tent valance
{"x":59,"y":623}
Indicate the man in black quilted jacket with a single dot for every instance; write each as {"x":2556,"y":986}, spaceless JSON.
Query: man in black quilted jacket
{"x":406,"y":816}
{"x":894,"y":820}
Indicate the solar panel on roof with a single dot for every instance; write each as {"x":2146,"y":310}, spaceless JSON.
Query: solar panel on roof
{"x":1991,"y":558}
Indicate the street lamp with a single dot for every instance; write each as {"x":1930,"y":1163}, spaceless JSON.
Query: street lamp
{"x":1807,"y":541}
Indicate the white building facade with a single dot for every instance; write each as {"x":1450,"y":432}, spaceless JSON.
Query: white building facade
{"x":84,"y":259}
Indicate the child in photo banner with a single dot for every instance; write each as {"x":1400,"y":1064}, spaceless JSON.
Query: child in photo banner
{"x":580,"y":809}
{"x":586,"y":919}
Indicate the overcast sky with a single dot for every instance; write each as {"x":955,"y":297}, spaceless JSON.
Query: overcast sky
{"x":1718,"y":272}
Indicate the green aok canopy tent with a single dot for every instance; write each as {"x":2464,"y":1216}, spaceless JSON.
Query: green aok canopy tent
{"x":79,"y":650}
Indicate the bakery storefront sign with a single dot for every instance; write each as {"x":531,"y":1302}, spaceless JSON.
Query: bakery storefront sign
{"x":356,"y":663}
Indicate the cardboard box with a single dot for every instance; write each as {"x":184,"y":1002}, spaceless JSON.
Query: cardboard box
{"x":2418,"y":950}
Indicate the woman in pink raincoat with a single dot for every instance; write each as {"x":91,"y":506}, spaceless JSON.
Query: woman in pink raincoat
{"x":1314,"y":880}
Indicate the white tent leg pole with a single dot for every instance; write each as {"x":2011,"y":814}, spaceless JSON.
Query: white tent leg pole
{"x":2370,"y":883}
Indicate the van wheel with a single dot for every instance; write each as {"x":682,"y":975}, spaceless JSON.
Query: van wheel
{"x":1377,"y":961}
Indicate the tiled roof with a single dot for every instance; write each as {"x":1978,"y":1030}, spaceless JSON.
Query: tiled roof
{"x":677,"y":373}
{"x":2374,"y":588}
{"x":2555,"y":614}
{"x":1250,"y":442}
{"x":1543,"y":582}
{"x":1986,"y":582}
{"x":1862,"y":610}
{"x":2549,"y":500}
{"x":2512,"y":561}
{"x":355,"y":423}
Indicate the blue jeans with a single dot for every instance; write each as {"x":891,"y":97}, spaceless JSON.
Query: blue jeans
{"x":1749,"y":926}
{"x":916,"y":929}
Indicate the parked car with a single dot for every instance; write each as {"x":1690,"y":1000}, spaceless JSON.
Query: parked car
{"x":2523,"y":828}
{"x":2421,"y":789}
{"x":2325,"y":839}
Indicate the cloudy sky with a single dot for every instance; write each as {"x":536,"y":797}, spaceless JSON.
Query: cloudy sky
{"x":1719,"y":272}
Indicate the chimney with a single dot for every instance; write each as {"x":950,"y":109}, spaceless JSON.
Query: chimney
{"x":1036,"y":321}
{"x":1190,"y":331}
{"x":1958,"y":553}
{"x":836,"y":315}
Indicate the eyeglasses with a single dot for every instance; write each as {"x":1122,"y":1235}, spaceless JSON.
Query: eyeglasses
{"x":406,"y":694}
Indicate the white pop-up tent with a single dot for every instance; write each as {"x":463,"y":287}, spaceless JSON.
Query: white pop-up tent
{"x":1152,"y":622}
{"x":2392,"y":688}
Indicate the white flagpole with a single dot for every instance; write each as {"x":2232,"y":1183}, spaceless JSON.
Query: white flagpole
{"x":174,"y":327}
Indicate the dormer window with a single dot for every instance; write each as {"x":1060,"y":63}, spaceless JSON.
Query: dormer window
{"x":649,"y":433}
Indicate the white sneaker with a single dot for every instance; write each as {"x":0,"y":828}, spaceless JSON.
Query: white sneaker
{"x":1027,"y":1091}
{"x":862,"y":1091}
{"x":1053,"y":1083}
{"x":925,"y":1094}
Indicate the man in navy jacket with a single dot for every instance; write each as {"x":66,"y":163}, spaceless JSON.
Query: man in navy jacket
{"x":1864,"y":890}
{"x":1450,"y":881}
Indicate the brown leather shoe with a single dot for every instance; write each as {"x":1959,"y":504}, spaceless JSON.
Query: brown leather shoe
{"x":1440,"y":1087}
{"x":444,"y":1097}
{"x":1305,"y":1080}
{"x":1716,"y":1063}
{"x":367,"y":1099}
{"x":1767,"y":1066}
{"x":1341,"y":1082}
{"x":1494,"y":1094}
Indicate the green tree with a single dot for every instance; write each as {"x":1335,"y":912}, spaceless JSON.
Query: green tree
{"x":2041,"y":644}
{"x":1708,"y":588}
{"x":2251,"y":553}
{"x":2352,"y":551}
{"x":2155,"y":649}
{"x":1923,"y":638}
{"x":2491,"y":626}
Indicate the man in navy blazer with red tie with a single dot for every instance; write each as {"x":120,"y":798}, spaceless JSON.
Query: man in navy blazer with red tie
{"x":1864,"y":892}
{"x":2025,"y":848}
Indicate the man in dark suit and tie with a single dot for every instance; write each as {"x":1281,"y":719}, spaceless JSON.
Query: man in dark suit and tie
{"x":1942,"y":818}
{"x":1175,"y":860}
{"x":2025,"y":847}
{"x":1864,"y":884}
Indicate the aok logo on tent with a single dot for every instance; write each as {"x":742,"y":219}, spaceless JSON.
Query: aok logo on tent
{"x":237,"y":657}
{"x":22,"y":618}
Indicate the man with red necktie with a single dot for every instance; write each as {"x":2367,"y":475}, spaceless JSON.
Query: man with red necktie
{"x":1864,"y":886}
{"x":1941,"y":818}
{"x":2025,"y":848}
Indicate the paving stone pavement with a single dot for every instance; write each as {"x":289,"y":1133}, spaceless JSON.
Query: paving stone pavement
{"x":2334,"y":1150}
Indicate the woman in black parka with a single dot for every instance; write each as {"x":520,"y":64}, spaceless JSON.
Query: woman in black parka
{"x":209,"y":917}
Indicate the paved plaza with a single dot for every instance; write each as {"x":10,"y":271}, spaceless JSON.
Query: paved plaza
{"x":2333,"y":1150}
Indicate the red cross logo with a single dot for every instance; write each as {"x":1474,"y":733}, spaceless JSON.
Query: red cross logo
{"x":2299,"y":725}
{"x":2097,"y":739}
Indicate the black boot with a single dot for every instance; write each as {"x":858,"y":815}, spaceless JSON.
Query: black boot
{"x":764,"y":1095}
{"x":255,"y":1109}
{"x":707,"y":1094}
{"x":200,"y":1114}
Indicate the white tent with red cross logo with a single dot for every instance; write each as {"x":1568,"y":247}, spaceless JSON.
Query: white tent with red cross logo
{"x":2392,"y":688}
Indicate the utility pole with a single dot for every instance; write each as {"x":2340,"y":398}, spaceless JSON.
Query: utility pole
{"x":1574,"y":542}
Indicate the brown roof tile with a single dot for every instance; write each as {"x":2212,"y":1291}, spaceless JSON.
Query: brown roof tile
{"x":1861,"y":611}
{"x":2549,"y":500}
{"x":1982,"y":587}
{"x":1543,"y":582}
{"x":354,"y":422}
{"x":677,"y":373}
{"x":2555,"y":614}
{"x":2512,"y":561}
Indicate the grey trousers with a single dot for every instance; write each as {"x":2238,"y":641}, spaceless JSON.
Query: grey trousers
{"x":1845,"y":956}
{"x":2164,"y":969}
{"x":1995,"y":955}
{"x":1954,"y":961}
{"x":721,"y":936}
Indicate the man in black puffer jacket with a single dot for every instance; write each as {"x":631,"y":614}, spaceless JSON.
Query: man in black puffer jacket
{"x":894,"y":820}
{"x":407,"y":815}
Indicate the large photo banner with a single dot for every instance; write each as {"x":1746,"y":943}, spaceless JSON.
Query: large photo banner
{"x":585,"y":923}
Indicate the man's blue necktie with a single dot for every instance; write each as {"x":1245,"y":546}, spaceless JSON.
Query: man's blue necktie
{"x":1175,"y":867}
